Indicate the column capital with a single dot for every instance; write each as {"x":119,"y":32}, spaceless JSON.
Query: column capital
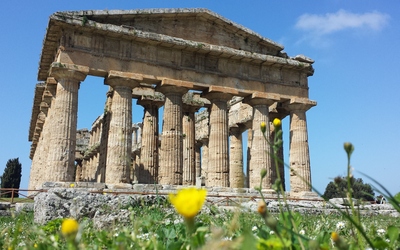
{"x":221,"y":93}
{"x":174,"y":86}
{"x":118,"y":78}
{"x":261,"y":98}
{"x":68,"y":71}
{"x":298,"y":104}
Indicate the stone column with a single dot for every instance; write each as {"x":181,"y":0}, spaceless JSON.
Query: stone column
{"x":260,"y":151}
{"x":299,"y":157}
{"x":236,"y":174}
{"x":61,"y":156}
{"x":119,"y":146}
{"x":171,"y":161}
{"x":218,"y":151}
{"x":39,"y":161}
{"x":188,"y":128}
{"x":198,"y":163}
{"x":148,"y":166}
{"x":204,"y":161}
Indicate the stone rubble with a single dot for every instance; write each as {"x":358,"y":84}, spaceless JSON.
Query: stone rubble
{"x":107,"y":207}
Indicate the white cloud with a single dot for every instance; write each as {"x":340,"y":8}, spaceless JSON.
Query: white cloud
{"x":341,"y":20}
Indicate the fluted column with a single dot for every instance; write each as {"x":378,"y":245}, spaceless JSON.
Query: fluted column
{"x":198,"y":163}
{"x":236,"y":174}
{"x":148,"y":165}
{"x":260,"y":151}
{"x":218,"y":150}
{"x":61,"y":157}
{"x":171,"y":161}
{"x":189,"y":163}
{"x":39,"y":161}
{"x":204,"y":161}
{"x":299,"y":157}
{"x":280,"y":114}
{"x":119,"y":146}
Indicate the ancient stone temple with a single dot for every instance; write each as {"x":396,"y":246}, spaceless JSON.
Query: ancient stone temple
{"x":215,"y":80}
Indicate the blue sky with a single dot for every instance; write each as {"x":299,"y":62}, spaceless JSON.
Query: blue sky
{"x":355,"y":45}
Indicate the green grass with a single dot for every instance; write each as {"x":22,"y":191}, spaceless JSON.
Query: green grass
{"x":160,"y":227}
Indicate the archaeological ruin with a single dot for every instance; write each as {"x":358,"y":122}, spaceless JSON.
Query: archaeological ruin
{"x":215,"y":80}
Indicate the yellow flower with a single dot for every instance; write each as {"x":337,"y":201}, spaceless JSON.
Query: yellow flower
{"x":69,"y":228}
{"x":35,"y":245}
{"x":188,"y":201}
{"x":335,"y":236}
{"x":72,"y":185}
{"x":263,"y":127}
{"x":277,"y":122}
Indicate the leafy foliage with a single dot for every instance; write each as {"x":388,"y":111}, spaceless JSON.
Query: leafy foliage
{"x":338,"y":189}
{"x":11,"y":177}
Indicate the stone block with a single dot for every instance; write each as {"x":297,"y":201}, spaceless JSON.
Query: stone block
{"x":119,"y":186}
{"x":24,"y":207}
{"x":4,"y":206}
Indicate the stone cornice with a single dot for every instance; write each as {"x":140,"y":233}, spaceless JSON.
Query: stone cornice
{"x":68,"y":20}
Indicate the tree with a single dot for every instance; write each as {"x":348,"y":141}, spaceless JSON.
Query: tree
{"x":11,"y":177}
{"x":338,"y":189}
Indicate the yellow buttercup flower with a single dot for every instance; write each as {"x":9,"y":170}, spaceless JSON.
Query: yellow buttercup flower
{"x":72,"y":185}
{"x":69,"y":228}
{"x":277,"y":122}
{"x":335,"y":236}
{"x":188,"y":201}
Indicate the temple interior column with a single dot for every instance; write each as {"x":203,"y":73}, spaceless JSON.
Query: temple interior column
{"x":61,"y":156}
{"x":204,"y":161}
{"x":189,"y":150}
{"x":299,"y":157}
{"x":171,"y":161}
{"x":119,"y":148}
{"x":260,"y":151}
{"x":147,"y":171}
{"x":218,"y":150}
{"x":198,"y":163}
{"x":236,"y":174}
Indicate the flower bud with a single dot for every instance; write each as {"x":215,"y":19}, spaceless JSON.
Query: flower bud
{"x":263,"y":127}
{"x":263,"y":173}
{"x":349,"y":148}
{"x":277,"y":123}
{"x":262,"y":208}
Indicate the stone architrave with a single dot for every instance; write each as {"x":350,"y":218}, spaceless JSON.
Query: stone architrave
{"x":171,"y":161}
{"x":218,"y":149}
{"x":299,"y":156}
{"x":147,"y":171}
{"x":119,"y":146}
{"x":260,"y":151}
{"x":61,"y":155}
{"x":236,"y":174}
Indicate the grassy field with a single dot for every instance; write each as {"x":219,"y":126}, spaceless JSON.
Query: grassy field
{"x":161,"y":227}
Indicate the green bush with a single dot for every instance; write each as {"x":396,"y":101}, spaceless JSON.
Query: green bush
{"x":338,"y":189}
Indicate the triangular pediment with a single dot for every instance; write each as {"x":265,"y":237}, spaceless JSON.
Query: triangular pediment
{"x":200,"y":25}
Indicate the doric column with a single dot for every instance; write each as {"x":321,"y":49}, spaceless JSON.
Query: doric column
{"x":198,"y":163}
{"x":188,"y":128}
{"x":299,"y":157}
{"x":171,"y":161}
{"x":218,"y":150}
{"x":280,"y":113}
{"x":119,"y":146}
{"x":204,"y":161}
{"x":236,"y":174}
{"x":260,"y":151}
{"x":61,"y":157}
{"x":39,"y":161}
{"x":148,"y":166}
